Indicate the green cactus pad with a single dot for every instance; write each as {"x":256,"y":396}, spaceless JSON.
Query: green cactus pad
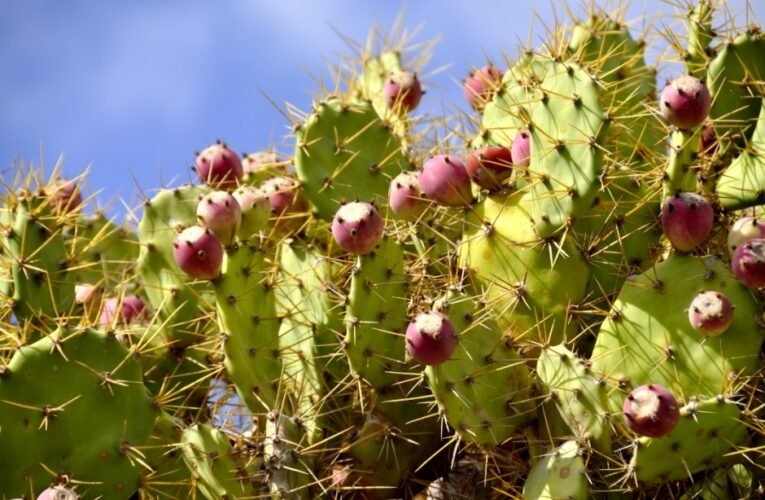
{"x":559,"y":474}
{"x":680,"y":174}
{"x":345,"y":152}
{"x":104,"y":251}
{"x":649,"y":339}
{"x":220,"y":472}
{"x":508,"y":111}
{"x":580,"y":395}
{"x":733,"y":78}
{"x":707,"y":432}
{"x":742,"y":184}
{"x":74,"y":403}
{"x":247,"y":317}
{"x":377,"y":314}
{"x":566,"y":162}
{"x":167,"y":475}
{"x":485,"y":388}
{"x":43,"y":285}
{"x":529,"y":283}
{"x":311,"y":329}
{"x":180,"y":303}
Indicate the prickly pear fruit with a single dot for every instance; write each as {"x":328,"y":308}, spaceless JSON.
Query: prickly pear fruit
{"x":480,"y":86}
{"x":131,"y":308}
{"x":748,"y":263}
{"x":431,"y":338}
{"x":357,"y":227}
{"x":687,"y":220}
{"x":198,"y":253}
{"x":65,"y":198}
{"x":219,"y":166}
{"x":489,"y":166}
{"x":253,"y":161}
{"x":685,"y":102}
{"x":445,"y":180}
{"x":58,"y":493}
{"x":220,"y":212}
{"x":255,"y":210}
{"x":744,"y":230}
{"x":405,"y":197}
{"x":710,"y":313}
{"x":402,"y":89}
{"x":521,"y":148}
{"x":651,"y":410}
{"x":288,"y":205}
{"x":85,"y":293}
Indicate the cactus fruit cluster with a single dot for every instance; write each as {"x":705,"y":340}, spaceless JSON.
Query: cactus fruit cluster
{"x":556,"y":295}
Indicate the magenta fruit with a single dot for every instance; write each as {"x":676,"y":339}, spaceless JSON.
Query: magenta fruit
{"x":743,"y":230}
{"x":430,"y":338}
{"x":130,"y":309}
{"x":402,"y":89}
{"x":405,"y":198}
{"x":357,"y":227}
{"x":255,"y":163}
{"x":685,"y":102}
{"x":481,"y":85}
{"x":288,"y":206}
{"x":198,"y":252}
{"x":445,"y":180}
{"x":219,"y":166}
{"x":255,"y":209}
{"x":58,"y":493}
{"x":65,"y":197}
{"x":710,"y":313}
{"x":687,"y":220}
{"x":489,"y":166}
{"x":748,"y":263}
{"x":521,"y":149}
{"x":220,"y":212}
{"x":651,"y":410}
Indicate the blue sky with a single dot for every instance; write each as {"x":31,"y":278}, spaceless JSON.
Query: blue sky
{"x":132,"y":89}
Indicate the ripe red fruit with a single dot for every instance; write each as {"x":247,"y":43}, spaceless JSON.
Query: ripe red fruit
{"x":357,"y":227}
{"x":430,"y":338}
{"x":651,"y":410}
{"x":685,"y":102}
{"x":219,"y":166}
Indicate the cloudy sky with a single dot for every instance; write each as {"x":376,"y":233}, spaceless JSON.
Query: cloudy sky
{"x":132,"y":89}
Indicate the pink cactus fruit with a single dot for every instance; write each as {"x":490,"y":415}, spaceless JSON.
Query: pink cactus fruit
{"x":489,"y":166}
{"x":255,"y":209}
{"x":445,"y":180}
{"x":254,"y":163}
{"x":710,"y":313}
{"x":748,"y":263}
{"x":219,"y":166}
{"x":126,"y":311}
{"x":357,"y":227}
{"x":65,"y":197}
{"x":687,"y":220}
{"x":405,"y":198}
{"x":288,"y":205}
{"x":219,"y":211}
{"x":58,"y":493}
{"x":651,"y":410}
{"x":521,"y":148}
{"x":481,"y":85}
{"x":85,"y":293}
{"x":743,"y":230}
{"x":685,"y":102}
{"x":402,"y":90}
{"x":430,"y":338}
{"x":198,"y":252}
